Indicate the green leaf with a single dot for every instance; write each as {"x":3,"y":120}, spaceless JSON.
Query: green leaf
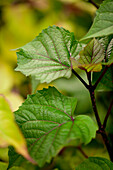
{"x":3,"y":165}
{"x":90,"y":57}
{"x":4,"y":154}
{"x":106,"y":82}
{"x":34,"y":84}
{"x":103,"y":22}
{"x":110,"y":53}
{"x":107,"y":43}
{"x":48,"y":124}
{"x":95,"y":163}
{"x":47,"y":57}
{"x":9,"y":130}
{"x":16,"y":168}
{"x":104,"y":41}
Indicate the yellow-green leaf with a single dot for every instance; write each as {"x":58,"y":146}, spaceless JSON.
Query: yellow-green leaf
{"x":92,"y":67}
{"x":9,"y":131}
{"x":48,"y":123}
{"x":6,"y":78}
{"x":3,"y":165}
{"x":90,"y":57}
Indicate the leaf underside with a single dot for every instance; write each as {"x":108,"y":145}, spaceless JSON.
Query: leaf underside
{"x":47,"y":57}
{"x":103,"y":22}
{"x":94,"y":163}
{"x":48,"y":124}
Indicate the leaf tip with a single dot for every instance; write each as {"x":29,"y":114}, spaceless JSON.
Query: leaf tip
{"x":26,"y":155}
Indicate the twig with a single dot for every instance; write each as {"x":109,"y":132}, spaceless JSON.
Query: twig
{"x":83,"y":153}
{"x":101,"y":129}
{"x":101,"y":76}
{"x":80,"y":78}
{"x":95,"y":108}
{"x":91,"y":91}
{"x":107,"y":144}
{"x":91,"y":1}
{"x":107,"y":115}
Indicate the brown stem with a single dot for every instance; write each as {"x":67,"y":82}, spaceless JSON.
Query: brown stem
{"x":107,"y":115}
{"x":80,"y":78}
{"x":83,"y":153}
{"x":106,"y":141}
{"x":91,"y":90}
{"x":95,"y":108}
{"x":101,"y":129}
{"x":101,"y":76}
{"x":92,"y":2}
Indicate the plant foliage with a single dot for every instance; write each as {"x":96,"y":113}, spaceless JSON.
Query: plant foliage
{"x":47,"y":57}
{"x":49,"y":124}
{"x":90,"y":57}
{"x":9,"y":130}
{"x":95,"y":163}
{"x":48,"y":119}
{"x":103,"y":22}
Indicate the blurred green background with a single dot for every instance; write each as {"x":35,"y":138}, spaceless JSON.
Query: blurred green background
{"x":21,"y":21}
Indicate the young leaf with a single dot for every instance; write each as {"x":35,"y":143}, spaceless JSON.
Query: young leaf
{"x":94,"y":163}
{"x":90,"y":57}
{"x":107,"y":43}
{"x":103,"y":22}
{"x":110,"y":53}
{"x":47,"y":57}
{"x":9,"y":131}
{"x":48,"y":124}
{"x":104,"y":41}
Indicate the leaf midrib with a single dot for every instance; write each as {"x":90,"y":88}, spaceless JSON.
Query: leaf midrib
{"x":49,"y":132}
{"x":66,"y":114}
{"x":26,"y":68}
{"x":54,"y":46}
{"x":50,"y":59}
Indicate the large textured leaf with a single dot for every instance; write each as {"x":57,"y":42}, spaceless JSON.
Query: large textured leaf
{"x":47,"y":122}
{"x":9,"y":131}
{"x":90,"y":57}
{"x":95,"y":163}
{"x":106,"y":82}
{"x":103,"y":22}
{"x":47,"y":57}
